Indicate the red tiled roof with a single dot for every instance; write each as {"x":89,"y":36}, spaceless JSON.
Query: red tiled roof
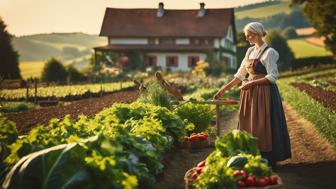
{"x":174,"y":23}
{"x":157,"y":47}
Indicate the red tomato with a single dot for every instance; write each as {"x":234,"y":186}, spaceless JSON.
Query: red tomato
{"x":205,"y":134}
{"x":201,"y":164}
{"x":193,"y":138}
{"x":250,"y":181}
{"x":262,"y":182}
{"x":268,"y":180}
{"x":202,"y":137}
{"x":186,"y":138}
{"x":273,"y":180}
{"x":240,"y":173}
{"x":241,"y":183}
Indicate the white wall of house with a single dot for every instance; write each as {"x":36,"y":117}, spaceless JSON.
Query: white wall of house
{"x":182,"y":41}
{"x":182,"y":60}
{"x":232,"y":60}
{"x":129,"y":41}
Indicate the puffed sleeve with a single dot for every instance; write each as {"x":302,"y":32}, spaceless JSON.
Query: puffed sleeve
{"x":241,"y":73}
{"x":269,"y":60}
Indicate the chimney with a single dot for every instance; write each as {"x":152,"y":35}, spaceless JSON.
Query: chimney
{"x":160,"y":11}
{"x":201,"y":12}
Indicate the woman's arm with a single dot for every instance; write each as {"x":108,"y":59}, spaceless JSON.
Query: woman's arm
{"x":234,"y":82}
{"x":261,"y":81}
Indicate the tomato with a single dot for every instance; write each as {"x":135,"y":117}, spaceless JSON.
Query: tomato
{"x":262,"y":182}
{"x":205,"y":134}
{"x":201,"y":164}
{"x":186,"y":138}
{"x":268,"y":180}
{"x":273,"y":180}
{"x":193,"y":138}
{"x":241,"y":183}
{"x":250,"y":181}
{"x":240,"y":173}
{"x":202,"y":137}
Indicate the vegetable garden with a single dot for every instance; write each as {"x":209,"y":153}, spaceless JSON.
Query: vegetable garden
{"x":134,"y":146}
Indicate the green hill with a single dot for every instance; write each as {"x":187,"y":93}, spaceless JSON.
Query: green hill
{"x":35,"y":50}
{"x":268,"y":9}
{"x":44,"y":46}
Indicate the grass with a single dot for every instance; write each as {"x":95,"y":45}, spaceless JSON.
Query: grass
{"x":302,"y":49}
{"x":16,"y":106}
{"x":323,"y":118}
{"x":264,"y":11}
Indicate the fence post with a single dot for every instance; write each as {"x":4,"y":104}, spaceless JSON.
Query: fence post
{"x":35,"y":92}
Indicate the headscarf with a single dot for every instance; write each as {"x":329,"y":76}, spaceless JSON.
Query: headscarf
{"x":255,"y":27}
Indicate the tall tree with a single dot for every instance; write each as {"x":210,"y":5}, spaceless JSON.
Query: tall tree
{"x":9,"y":66}
{"x":279,"y":43}
{"x":54,"y":71}
{"x":321,"y":13}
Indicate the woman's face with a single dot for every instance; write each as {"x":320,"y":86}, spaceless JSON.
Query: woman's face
{"x":251,"y":37}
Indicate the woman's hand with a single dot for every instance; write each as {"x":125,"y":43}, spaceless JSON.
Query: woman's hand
{"x":247,"y":85}
{"x":219,"y":94}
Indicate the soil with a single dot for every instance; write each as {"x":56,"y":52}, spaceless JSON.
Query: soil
{"x":311,"y":167}
{"x":90,"y":106}
{"x":327,"y":98}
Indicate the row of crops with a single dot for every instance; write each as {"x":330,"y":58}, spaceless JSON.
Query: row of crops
{"x":321,"y":116}
{"x":63,"y":92}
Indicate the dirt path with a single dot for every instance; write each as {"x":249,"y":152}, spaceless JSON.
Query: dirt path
{"x":312,"y":165}
{"x":90,"y":106}
{"x":313,"y":161}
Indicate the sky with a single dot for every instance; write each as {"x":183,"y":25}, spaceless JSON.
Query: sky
{"x":26,"y":17}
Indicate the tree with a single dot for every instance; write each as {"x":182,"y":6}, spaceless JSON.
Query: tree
{"x":279,"y":43}
{"x":321,"y":13}
{"x":9,"y":65}
{"x":74,"y":75}
{"x":290,"y":33}
{"x":54,"y":71}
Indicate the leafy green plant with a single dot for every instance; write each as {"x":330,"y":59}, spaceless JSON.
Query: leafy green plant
{"x":197,"y":114}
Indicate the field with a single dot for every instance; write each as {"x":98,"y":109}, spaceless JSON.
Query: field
{"x":302,"y":49}
{"x":31,"y":69}
{"x":264,"y":11}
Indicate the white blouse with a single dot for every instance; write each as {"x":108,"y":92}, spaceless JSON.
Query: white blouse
{"x":268,"y":59}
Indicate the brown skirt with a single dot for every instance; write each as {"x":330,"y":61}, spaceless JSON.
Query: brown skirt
{"x":254,"y":114}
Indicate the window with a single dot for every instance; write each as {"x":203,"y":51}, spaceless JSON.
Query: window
{"x":192,"y":61}
{"x":151,"y":61}
{"x":171,"y":61}
{"x":167,"y":41}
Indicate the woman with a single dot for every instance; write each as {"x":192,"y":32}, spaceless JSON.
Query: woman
{"x":261,"y":112}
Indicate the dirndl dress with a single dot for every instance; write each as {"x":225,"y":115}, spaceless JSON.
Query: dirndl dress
{"x":261,"y":114}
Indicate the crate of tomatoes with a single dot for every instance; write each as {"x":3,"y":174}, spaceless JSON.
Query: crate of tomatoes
{"x":196,"y":140}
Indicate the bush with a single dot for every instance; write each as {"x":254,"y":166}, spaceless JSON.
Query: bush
{"x":197,"y":114}
{"x":54,"y":71}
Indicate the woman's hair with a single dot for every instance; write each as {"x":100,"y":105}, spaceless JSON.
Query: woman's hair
{"x":255,"y":27}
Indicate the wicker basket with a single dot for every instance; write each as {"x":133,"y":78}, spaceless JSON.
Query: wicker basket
{"x":188,"y":181}
{"x":199,"y":144}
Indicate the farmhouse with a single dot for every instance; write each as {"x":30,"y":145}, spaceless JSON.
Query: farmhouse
{"x":170,"y":39}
